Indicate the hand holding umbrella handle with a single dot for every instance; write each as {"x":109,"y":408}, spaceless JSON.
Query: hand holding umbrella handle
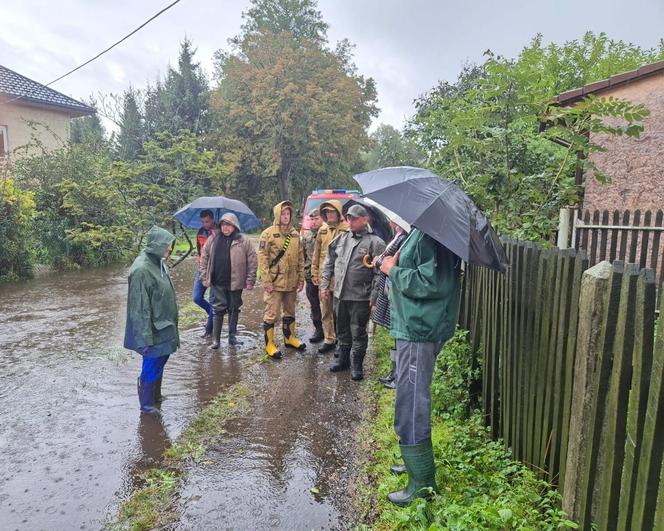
{"x":389,"y":262}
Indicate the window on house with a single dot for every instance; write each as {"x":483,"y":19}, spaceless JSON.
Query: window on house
{"x":3,"y":141}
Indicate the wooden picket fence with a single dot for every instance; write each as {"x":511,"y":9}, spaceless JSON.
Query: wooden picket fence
{"x":633,"y":237}
{"x":572,"y":380}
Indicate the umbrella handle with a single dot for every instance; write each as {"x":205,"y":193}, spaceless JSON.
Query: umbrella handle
{"x":366,"y":261}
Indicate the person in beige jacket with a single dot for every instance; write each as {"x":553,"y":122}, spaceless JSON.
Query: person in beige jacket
{"x":331,"y":212}
{"x":228,"y":265}
{"x":281,"y":269}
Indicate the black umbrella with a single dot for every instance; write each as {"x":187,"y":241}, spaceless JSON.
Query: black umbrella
{"x":439,"y":208}
{"x":377,"y":219}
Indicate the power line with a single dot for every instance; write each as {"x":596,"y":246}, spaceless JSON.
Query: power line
{"x":104,"y":51}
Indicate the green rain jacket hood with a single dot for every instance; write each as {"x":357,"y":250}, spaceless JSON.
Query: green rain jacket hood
{"x":152,"y":311}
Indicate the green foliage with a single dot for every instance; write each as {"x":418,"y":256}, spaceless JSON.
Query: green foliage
{"x":208,"y":424}
{"x":56,"y":179}
{"x":129,"y":141}
{"x":181,"y":100}
{"x":483,"y":130}
{"x":91,"y":211}
{"x":300,"y":18}
{"x":390,"y":148}
{"x":16,"y":212}
{"x":190,"y":315}
{"x":148,"y":507}
{"x":291,"y":115}
{"x":454,"y":373}
{"x":88,"y":130}
{"x":481,"y":486}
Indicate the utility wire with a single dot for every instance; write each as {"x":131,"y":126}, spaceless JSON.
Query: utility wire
{"x":103,"y":51}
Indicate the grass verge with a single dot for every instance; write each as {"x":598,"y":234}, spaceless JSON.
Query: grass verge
{"x":153,"y":506}
{"x":190,"y":315}
{"x":481,"y":486}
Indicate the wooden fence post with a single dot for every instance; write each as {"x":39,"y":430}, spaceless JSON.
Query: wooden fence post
{"x":648,"y":510}
{"x":611,"y":455}
{"x":644,"y":322}
{"x":595,"y":288}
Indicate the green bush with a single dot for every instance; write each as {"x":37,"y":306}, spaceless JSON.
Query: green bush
{"x":16,"y":211}
{"x":453,"y":377}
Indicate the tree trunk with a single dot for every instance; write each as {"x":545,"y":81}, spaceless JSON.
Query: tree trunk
{"x":283,"y":177}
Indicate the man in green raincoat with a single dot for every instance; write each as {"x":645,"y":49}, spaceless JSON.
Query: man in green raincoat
{"x":425,"y":291}
{"x":152,"y":315}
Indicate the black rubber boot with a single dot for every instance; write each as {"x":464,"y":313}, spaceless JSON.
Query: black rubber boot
{"x":318,"y":333}
{"x":217,"y":323}
{"x":421,"y":471}
{"x":388,"y":380}
{"x":357,"y":371}
{"x":158,"y":397}
{"x":232,"y":328}
{"x":342,"y":363}
{"x":146,"y":397}
{"x":326,"y":347}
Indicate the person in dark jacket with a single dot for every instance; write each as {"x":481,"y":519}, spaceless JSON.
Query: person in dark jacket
{"x":228,"y":265}
{"x":198,"y":294}
{"x":152,"y":316}
{"x":379,"y":297}
{"x":311,"y":290}
{"x":425,"y":293}
{"x":348,"y":261}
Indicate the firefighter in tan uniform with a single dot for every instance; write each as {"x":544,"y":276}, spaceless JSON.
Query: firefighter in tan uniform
{"x":334,"y":225}
{"x":281,"y":267}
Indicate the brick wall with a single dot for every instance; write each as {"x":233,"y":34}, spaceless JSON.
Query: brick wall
{"x":635,"y":166}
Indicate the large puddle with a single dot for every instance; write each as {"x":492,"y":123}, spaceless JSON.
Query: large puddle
{"x":72,"y":441}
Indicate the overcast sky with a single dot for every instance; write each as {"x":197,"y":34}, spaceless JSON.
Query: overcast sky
{"x":405,"y":45}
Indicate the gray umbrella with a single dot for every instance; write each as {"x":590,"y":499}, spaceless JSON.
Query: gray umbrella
{"x":439,"y":208}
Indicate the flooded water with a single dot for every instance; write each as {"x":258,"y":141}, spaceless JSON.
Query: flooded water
{"x":72,"y":440}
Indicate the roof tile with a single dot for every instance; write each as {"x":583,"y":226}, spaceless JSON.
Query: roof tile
{"x":23,"y":88}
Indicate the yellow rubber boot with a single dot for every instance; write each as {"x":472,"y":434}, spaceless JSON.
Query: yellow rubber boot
{"x":290,"y":340}
{"x":270,"y":346}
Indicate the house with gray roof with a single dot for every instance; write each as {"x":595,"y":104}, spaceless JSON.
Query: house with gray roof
{"x":32,"y":113}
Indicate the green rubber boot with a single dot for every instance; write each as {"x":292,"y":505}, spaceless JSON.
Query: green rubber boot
{"x":421,"y":471}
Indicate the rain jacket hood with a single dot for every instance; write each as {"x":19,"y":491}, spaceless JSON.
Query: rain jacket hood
{"x":231,"y":218}
{"x":152,"y":310}
{"x":278,"y":208}
{"x":336,"y":205}
{"x":158,"y":241}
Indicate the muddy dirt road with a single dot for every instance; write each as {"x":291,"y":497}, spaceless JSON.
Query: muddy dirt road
{"x":72,"y":441}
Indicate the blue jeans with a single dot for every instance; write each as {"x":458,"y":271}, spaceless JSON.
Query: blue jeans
{"x":153,"y":368}
{"x":198,"y":296}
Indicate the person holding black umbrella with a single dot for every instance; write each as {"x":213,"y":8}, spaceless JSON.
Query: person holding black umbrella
{"x":425,"y":292}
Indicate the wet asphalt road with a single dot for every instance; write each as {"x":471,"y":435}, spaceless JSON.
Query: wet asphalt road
{"x":72,"y":441}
